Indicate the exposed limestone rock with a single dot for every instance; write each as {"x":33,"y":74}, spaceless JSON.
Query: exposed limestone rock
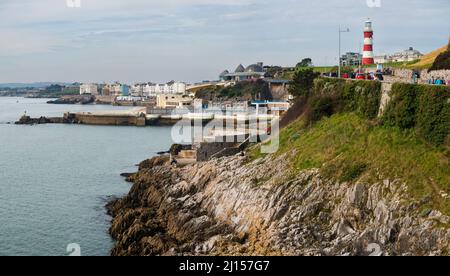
{"x":228,"y":207}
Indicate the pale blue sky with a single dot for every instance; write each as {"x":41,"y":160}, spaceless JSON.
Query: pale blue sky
{"x":194,"y":40}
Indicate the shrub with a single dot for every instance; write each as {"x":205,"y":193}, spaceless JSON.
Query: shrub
{"x":422,"y":107}
{"x":303,"y":82}
{"x":433,"y":114}
{"x":352,"y":172}
{"x":361,"y":97}
{"x":319,"y":107}
{"x":402,"y":108}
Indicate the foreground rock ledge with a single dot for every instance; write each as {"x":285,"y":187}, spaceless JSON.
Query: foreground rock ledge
{"x":228,"y":207}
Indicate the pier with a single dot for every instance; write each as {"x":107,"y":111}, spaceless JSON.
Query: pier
{"x":139,"y":117}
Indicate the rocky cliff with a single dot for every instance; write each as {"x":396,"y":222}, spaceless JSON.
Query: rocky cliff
{"x":234,"y":206}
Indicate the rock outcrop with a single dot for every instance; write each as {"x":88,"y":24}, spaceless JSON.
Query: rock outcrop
{"x":74,"y":99}
{"x":27,"y":120}
{"x":230,"y":207}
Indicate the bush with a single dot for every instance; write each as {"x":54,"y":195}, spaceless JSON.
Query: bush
{"x":319,"y":107}
{"x":361,"y":97}
{"x":433,"y":114}
{"x":402,"y":107}
{"x":303,"y":82}
{"x":352,"y":172}
{"x":423,"y":107}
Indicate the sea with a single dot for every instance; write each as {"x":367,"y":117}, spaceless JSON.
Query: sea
{"x":55,"y":179}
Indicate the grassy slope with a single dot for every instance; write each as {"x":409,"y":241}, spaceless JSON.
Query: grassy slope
{"x":427,"y":60}
{"x":346,"y":147}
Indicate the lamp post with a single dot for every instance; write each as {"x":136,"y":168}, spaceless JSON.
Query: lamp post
{"x":339,"y":58}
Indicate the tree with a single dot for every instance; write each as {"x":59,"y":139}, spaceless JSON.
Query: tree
{"x":306,"y":62}
{"x":302,"y":83}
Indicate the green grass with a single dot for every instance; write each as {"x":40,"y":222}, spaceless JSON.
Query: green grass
{"x":346,"y":147}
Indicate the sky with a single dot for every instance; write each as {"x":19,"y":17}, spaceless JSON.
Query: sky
{"x":194,"y":40}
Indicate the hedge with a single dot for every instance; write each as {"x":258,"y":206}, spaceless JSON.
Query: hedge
{"x":361,"y":97}
{"x":423,"y":107}
{"x":401,"y":110}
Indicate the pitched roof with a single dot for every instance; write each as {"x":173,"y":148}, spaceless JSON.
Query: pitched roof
{"x":239,"y":69}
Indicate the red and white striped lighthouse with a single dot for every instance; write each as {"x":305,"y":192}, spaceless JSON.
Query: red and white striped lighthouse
{"x":368,"y":57}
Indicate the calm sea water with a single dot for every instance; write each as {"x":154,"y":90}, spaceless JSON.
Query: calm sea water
{"x":56,"y":179}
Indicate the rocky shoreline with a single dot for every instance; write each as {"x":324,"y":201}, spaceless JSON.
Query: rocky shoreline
{"x":228,"y":206}
{"x":75,"y":99}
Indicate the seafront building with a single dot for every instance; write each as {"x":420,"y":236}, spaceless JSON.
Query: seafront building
{"x":251,"y":72}
{"x":153,"y":90}
{"x":173,"y":87}
{"x":116,"y":90}
{"x":404,"y":56}
{"x":137,"y":90}
{"x":89,"y":88}
{"x":143,"y":90}
{"x":276,"y":108}
{"x":170,"y":101}
{"x":351,"y":59}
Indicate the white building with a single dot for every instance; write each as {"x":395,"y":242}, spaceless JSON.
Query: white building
{"x":137,"y":90}
{"x":173,"y":100}
{"x":404,"y":56}
{"x":89,"y":88}
{"x":152,"y":90}
{"x":115,"y":89}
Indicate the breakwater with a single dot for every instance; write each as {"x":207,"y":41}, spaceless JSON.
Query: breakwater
{"x":141,"y":118}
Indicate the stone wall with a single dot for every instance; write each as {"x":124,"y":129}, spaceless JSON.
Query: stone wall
{"x":441,"y":74}
{"x":405,"y":75}
{"x":206,"y":150}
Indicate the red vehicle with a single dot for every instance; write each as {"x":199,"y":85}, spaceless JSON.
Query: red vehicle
{"x":345,"y":76}
{"x":360,"y":76}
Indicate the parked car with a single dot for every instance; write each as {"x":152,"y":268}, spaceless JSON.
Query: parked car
{"x":360,"y":76}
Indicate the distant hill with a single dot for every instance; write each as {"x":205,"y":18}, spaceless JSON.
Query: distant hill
{"x":31,"y":85}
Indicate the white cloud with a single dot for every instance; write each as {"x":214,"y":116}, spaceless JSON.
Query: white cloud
{"x":197,"y":35}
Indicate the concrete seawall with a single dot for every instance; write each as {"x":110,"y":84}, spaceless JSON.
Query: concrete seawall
{"x":139,"y":118}
{"x":114,"y":120}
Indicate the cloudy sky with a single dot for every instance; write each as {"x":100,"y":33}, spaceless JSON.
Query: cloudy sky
{"x":194,"y":40}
